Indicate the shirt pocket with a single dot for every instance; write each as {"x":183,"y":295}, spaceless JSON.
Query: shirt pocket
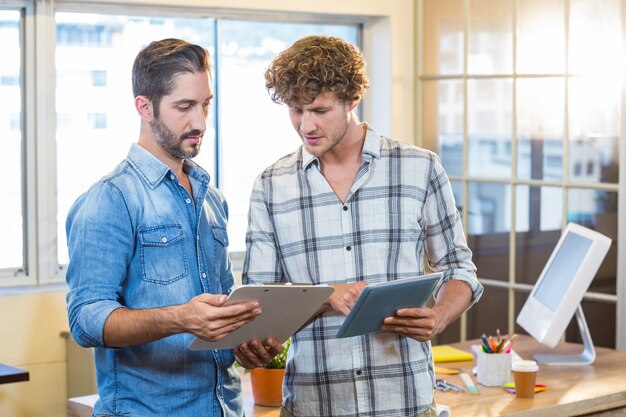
{"x":220,"y":248}
{"x":163,"y":257}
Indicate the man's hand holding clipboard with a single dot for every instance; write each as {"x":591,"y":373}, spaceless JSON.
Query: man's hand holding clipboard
{"x":285,"y":308}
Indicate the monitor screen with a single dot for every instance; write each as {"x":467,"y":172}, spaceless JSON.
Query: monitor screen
{"x":563,"y":282}
{"x":562,"y":270}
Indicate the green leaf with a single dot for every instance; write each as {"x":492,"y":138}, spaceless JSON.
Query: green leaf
{"x":280,"y":360}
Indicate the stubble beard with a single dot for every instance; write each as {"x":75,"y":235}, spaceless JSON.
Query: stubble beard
{"x":171,"y":143}
{"x":336,"y":140}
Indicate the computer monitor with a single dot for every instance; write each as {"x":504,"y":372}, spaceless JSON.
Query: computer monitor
{"x":559,"y":290}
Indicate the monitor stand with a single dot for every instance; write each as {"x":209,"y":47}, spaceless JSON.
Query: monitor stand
{"x":586,"y":357}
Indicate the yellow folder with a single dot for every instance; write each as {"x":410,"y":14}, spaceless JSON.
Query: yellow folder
{"x":447,"y":353}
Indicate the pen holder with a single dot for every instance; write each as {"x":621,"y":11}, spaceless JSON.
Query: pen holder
{"x":494,"y":369}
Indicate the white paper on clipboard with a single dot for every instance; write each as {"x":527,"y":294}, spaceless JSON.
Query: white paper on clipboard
{"x":285,"y":308}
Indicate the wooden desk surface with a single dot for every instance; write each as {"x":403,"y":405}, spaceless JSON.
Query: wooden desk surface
{"x":572,"y":391}
{"x":10,"y":374}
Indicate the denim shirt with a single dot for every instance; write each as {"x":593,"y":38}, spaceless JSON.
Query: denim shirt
{"x":138,"y":240}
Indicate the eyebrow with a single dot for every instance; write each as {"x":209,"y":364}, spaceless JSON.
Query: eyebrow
{"x":190,"y":101}
{"x":315,"y":108}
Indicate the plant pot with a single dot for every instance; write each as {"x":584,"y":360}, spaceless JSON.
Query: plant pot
{"x":267,"y":386}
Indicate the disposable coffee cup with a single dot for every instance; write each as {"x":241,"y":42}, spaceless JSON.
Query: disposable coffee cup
{"x":524,"y":376}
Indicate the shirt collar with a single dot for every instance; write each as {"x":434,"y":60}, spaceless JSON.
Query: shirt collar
{"x":371,"y":148}
{"x":153,"y":170}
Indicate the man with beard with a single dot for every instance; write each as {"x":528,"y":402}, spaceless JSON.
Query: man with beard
{"x":348,"y":208}
{"x":148,"y":266}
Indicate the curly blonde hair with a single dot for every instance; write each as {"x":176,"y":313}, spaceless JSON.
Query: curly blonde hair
{"x":316,"y":64}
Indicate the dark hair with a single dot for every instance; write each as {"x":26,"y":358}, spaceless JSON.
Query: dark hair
{"x":315,"y":64}
{"x":160,"y":62}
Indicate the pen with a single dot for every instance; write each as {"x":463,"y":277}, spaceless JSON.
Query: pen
{"x":486,"y":347}
{"x":509,"y":344}
{"x":492,"y":344}
{"x":501,"y":345}
{"x":469,"y":384}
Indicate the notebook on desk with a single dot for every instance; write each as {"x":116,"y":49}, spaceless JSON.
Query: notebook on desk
{"x":447,"y":353}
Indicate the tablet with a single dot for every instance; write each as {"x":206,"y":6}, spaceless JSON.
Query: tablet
{"x":383,"y":299}
{"x":285,"y":308}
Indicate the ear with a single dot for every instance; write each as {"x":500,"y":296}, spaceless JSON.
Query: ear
{"x":352,"y":106}
{"x":143,"y":105}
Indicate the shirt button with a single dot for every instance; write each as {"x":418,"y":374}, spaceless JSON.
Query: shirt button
{"x":172,"y":176}
{"x":204,"y":275}
{"x":348,"y":248}
{"x":358,"y":372}
{"x":345,"y":208}
{"x":188,"y":201}
{"x":164,"y":239}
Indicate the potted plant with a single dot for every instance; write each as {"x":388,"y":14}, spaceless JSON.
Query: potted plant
{"x":267,"y":381}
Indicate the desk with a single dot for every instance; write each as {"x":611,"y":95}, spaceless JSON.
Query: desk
{"x":10,"y":374}
{"x":572,"y":391}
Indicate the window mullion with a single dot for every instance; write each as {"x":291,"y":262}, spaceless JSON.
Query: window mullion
{"x":45,"y":145}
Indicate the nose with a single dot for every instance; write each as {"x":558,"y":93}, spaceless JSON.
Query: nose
{"x":198,"y":119}
{"x":307,"y":124}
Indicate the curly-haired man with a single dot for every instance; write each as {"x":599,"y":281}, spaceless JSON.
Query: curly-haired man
{"x":348,"y":208}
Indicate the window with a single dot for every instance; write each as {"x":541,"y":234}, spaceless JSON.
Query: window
{"x":99,"y":78}
{"x":12,"y":256}
{"x":553,"y":108}
{"x":95,"y":126}
{"x":88,"y":109}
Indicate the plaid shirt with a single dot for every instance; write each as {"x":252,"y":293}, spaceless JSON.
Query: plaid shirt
{"x":399,"y":209}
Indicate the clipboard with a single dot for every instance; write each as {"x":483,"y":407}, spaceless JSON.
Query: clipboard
{"x":381,"y":300}
{"x":286,"y":308}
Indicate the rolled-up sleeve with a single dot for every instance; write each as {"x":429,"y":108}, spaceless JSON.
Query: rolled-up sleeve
{"x":446,"y":247}
{"x":101,"y":243}
{"x":262,"y":262}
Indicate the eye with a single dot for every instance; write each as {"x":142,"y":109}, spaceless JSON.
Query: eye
{"x":184,"y":108}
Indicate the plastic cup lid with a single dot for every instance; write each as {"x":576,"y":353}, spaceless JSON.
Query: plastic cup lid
{"x":525,"y":366}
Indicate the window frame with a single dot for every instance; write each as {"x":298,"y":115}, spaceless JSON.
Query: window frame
{"x":25,"y":274}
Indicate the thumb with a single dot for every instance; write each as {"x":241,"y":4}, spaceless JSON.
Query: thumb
{"x":212,"y":299}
